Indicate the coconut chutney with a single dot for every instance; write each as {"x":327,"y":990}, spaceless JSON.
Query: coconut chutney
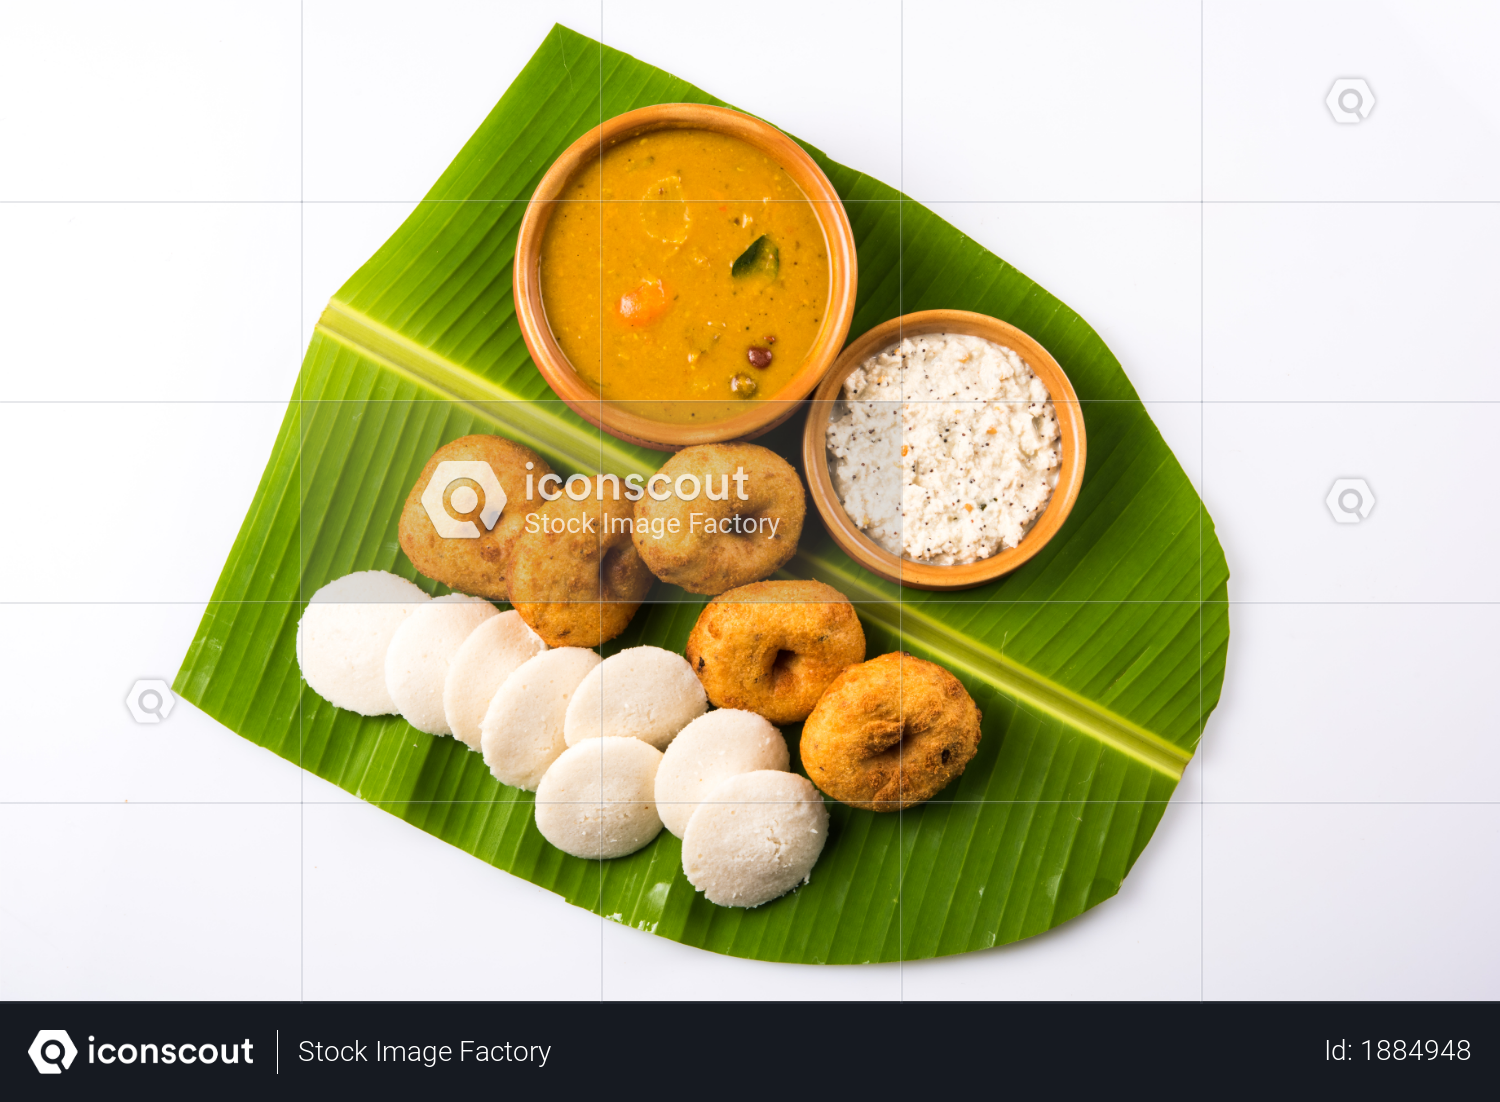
{"x":946,"y":448}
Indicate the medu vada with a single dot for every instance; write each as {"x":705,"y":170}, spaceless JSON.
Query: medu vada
{"x":773,"y":647}
{"x":477,"y":563}
{"x":575,"y":578}
{"x":732,"y":513}
{"x":890,"y":733}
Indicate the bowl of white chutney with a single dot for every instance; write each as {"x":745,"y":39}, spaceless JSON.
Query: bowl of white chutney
{"x":944,"y":449}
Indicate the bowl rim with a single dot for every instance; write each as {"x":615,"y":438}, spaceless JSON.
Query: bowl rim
{"x":763,"y":415}
{"x":929,"y":576}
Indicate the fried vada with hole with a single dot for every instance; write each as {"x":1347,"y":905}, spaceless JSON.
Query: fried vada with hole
{"x":478,"y":565}
{"x":890,"y":733}
{"x":773,"y":647}
{"x":739,"y":510}
{"x":576,"y":577}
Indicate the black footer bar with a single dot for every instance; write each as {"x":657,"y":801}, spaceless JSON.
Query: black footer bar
{"x":741,"y":1049}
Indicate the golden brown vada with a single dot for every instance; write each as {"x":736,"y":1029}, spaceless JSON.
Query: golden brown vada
{"x":575,"y":578}
{"x":733,"y":514}
{"x":890,"y":733}
{"x":773,"y":647}
{"x":478,"y":564}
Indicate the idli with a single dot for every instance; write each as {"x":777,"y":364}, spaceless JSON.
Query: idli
{"x":596,"y":799}
{"x":416,"y":665}
{"x":708,"y":751}
{"x":522,"y":731}
{"x":492,"y":652}
{"x":754,"y":838}
{"x":344,"y":634}
{"x":644,"y":692}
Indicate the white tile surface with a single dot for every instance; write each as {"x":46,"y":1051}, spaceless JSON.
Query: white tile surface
{"x":775,"y":61}
{"x":1059,"y":101}
{"x":393,"y":91}
{"x":145,"y":499}
{"x":392,"y":913}
{"x":151,"y":101}
{"x":1268,"y":469}
{"x":1131,"y":270}
{"x":69,"y":735}
{"x":150,"y":301}
{"x":1142,"y":944}
{"x":1335,"y":302}
{"x":1357,"y":702}
{"x":1434,"y":132}
{"x":149,"y":902}
{"x":1350,"y":902}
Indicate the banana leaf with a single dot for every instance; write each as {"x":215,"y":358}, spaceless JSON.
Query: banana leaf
{"x":1096,"y":665}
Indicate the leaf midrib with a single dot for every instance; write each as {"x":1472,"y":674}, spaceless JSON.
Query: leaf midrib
{"x":538,"y":427}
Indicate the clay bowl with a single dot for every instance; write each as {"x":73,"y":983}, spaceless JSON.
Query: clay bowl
{"x":760,"y":415}
{"x":869,"y":554}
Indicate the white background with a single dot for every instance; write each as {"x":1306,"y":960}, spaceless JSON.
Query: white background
{"x":183,"y":186}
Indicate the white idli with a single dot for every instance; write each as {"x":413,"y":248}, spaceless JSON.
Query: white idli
{"x":416,"y":666}
{"x":643,"y":692}
{"x":709,"y":750}
{"x":754,"y":838}
{"x":492,"y":652}
{"x":595,"y":800}
{"x":344,"y":634}
{"x":522,"y":731}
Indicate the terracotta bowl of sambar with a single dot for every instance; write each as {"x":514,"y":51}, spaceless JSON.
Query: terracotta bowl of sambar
{"x":760,"y":414}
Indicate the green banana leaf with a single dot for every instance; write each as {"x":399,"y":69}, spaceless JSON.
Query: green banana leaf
{"x":1096,"y":665}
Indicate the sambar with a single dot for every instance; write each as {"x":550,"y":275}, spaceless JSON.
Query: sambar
{"x":684,"y":273}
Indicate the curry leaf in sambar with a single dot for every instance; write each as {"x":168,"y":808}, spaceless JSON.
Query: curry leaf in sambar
{"x":761,"y":261}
